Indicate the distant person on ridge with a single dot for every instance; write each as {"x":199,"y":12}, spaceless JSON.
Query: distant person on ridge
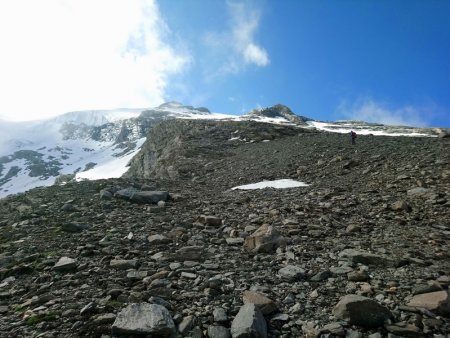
{"x":353,"y":136}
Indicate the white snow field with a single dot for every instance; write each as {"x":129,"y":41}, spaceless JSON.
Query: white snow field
{"x":277,"y":184}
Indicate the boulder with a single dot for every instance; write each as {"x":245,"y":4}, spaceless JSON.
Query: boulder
{"x":438,"y":302}
{"x":217,"y":331}
{"x":145,"y":197}
{"x":249,"y":323}
{"x":361,"y":311}
{"x":190,"y":253}
{"x":291,"y":273}
{"x":144,"y":319}
{"x":363,"y":257}
{"x":265,"y":304}
{"x":264,"y":240}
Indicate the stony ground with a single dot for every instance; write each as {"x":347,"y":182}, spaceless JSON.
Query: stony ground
{"x":374,"y":222}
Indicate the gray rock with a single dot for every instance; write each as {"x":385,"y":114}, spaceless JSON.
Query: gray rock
{"x":291,"y":273}
{"x":340,"y":270}
{"x":321,"y":276}
{"x":265,"y":304}
{"x":217,"y":331}
{"x":74,"y":227}
{"x":210,"y":220}
{"x":333,"y":328}
{"x":438,"y":302}
{"x":404,"y":330}
{"x":220,"y":315}
{"x":123,"y":264}
{"x":105,"y":194}
{"x":146,"y":197}
{"x":265,"y":240}
{"x":186,"y":324}
{"x":249,"y":323}
{"x":362,"y":257}
{"x":358,"y":276}
{"x":65,"y":264}
{"x":419,"y":191}
{"x":144,"y":318}
{"x":158,"y":239}
{"x":234,"y":240}
{"x":190,"y":253}
{"x":361,"y":311}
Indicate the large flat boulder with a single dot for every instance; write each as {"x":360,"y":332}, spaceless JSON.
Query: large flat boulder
{"x":438,"y":302}
{"x":144,"y":319}
{"x":144,"y":197}
{"x":361,"y":311}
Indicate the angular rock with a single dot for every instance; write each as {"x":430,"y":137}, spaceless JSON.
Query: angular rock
{"x":123,"y":264}
{"x":74,"y":227}
{"x":291,"y":273}
{"x":265,"y":240}
{"x":217,"y":331}
{"x":144,"y":318}
{"x":249,"y":323}
{"x":234,"y":240}
{"x":361,"y":311}
{"x":438,"y":302}
{"x":186,"y":324}
{"x":400,"y":206}
{"x":158,"y":239}
{"x":220,"y":315}
{"x":358,"y":276}
{"x":145,"y":197}
{"x":265,"y":304}
{"x":404,"y":330}
{"x":210,"y":220}
{"x":321,"y":276}
{"x":362,"y":257}
{"x":191,"y":253}
{"x":65,"y":264}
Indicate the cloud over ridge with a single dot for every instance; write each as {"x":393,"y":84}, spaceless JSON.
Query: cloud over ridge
{"x":368,"y":110}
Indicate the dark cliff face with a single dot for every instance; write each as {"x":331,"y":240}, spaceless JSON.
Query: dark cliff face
{"x":176,"y":148}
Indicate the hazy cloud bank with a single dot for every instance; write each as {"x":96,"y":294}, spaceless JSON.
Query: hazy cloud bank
{"x":371,"y":111}
{"x":61,"y":55}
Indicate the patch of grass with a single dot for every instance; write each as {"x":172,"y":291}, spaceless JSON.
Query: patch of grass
{"x":35,"y":319}
{"x":18,"y":308}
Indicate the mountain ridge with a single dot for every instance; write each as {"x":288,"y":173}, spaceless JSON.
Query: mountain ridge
{"x":91,"y":144}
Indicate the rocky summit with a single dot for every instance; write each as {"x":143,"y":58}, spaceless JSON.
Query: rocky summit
{"x":172,"y":250}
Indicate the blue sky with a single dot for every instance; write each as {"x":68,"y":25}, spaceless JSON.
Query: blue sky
{"x":381,"y":61}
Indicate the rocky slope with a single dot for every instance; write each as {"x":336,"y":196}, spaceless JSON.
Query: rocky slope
{"x":363,"y":251}
{"x":85,"y":144}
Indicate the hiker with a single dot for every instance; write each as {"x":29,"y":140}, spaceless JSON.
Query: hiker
{"x":353,"y":136}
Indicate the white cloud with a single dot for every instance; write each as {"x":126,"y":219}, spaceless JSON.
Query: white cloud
{"x":256,"y":55}
{"x":368,"y":110}
{"x":235,"y":48}
{"x":65,"y":55}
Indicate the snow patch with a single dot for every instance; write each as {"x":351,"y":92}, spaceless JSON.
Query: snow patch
{"x":277,"y":184}
{"x":346,"y":128}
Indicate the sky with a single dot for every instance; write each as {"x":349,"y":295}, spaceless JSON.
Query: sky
{"x":385,"y":61}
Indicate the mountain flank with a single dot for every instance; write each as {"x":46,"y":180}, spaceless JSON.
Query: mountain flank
{"x":171,"y":250}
